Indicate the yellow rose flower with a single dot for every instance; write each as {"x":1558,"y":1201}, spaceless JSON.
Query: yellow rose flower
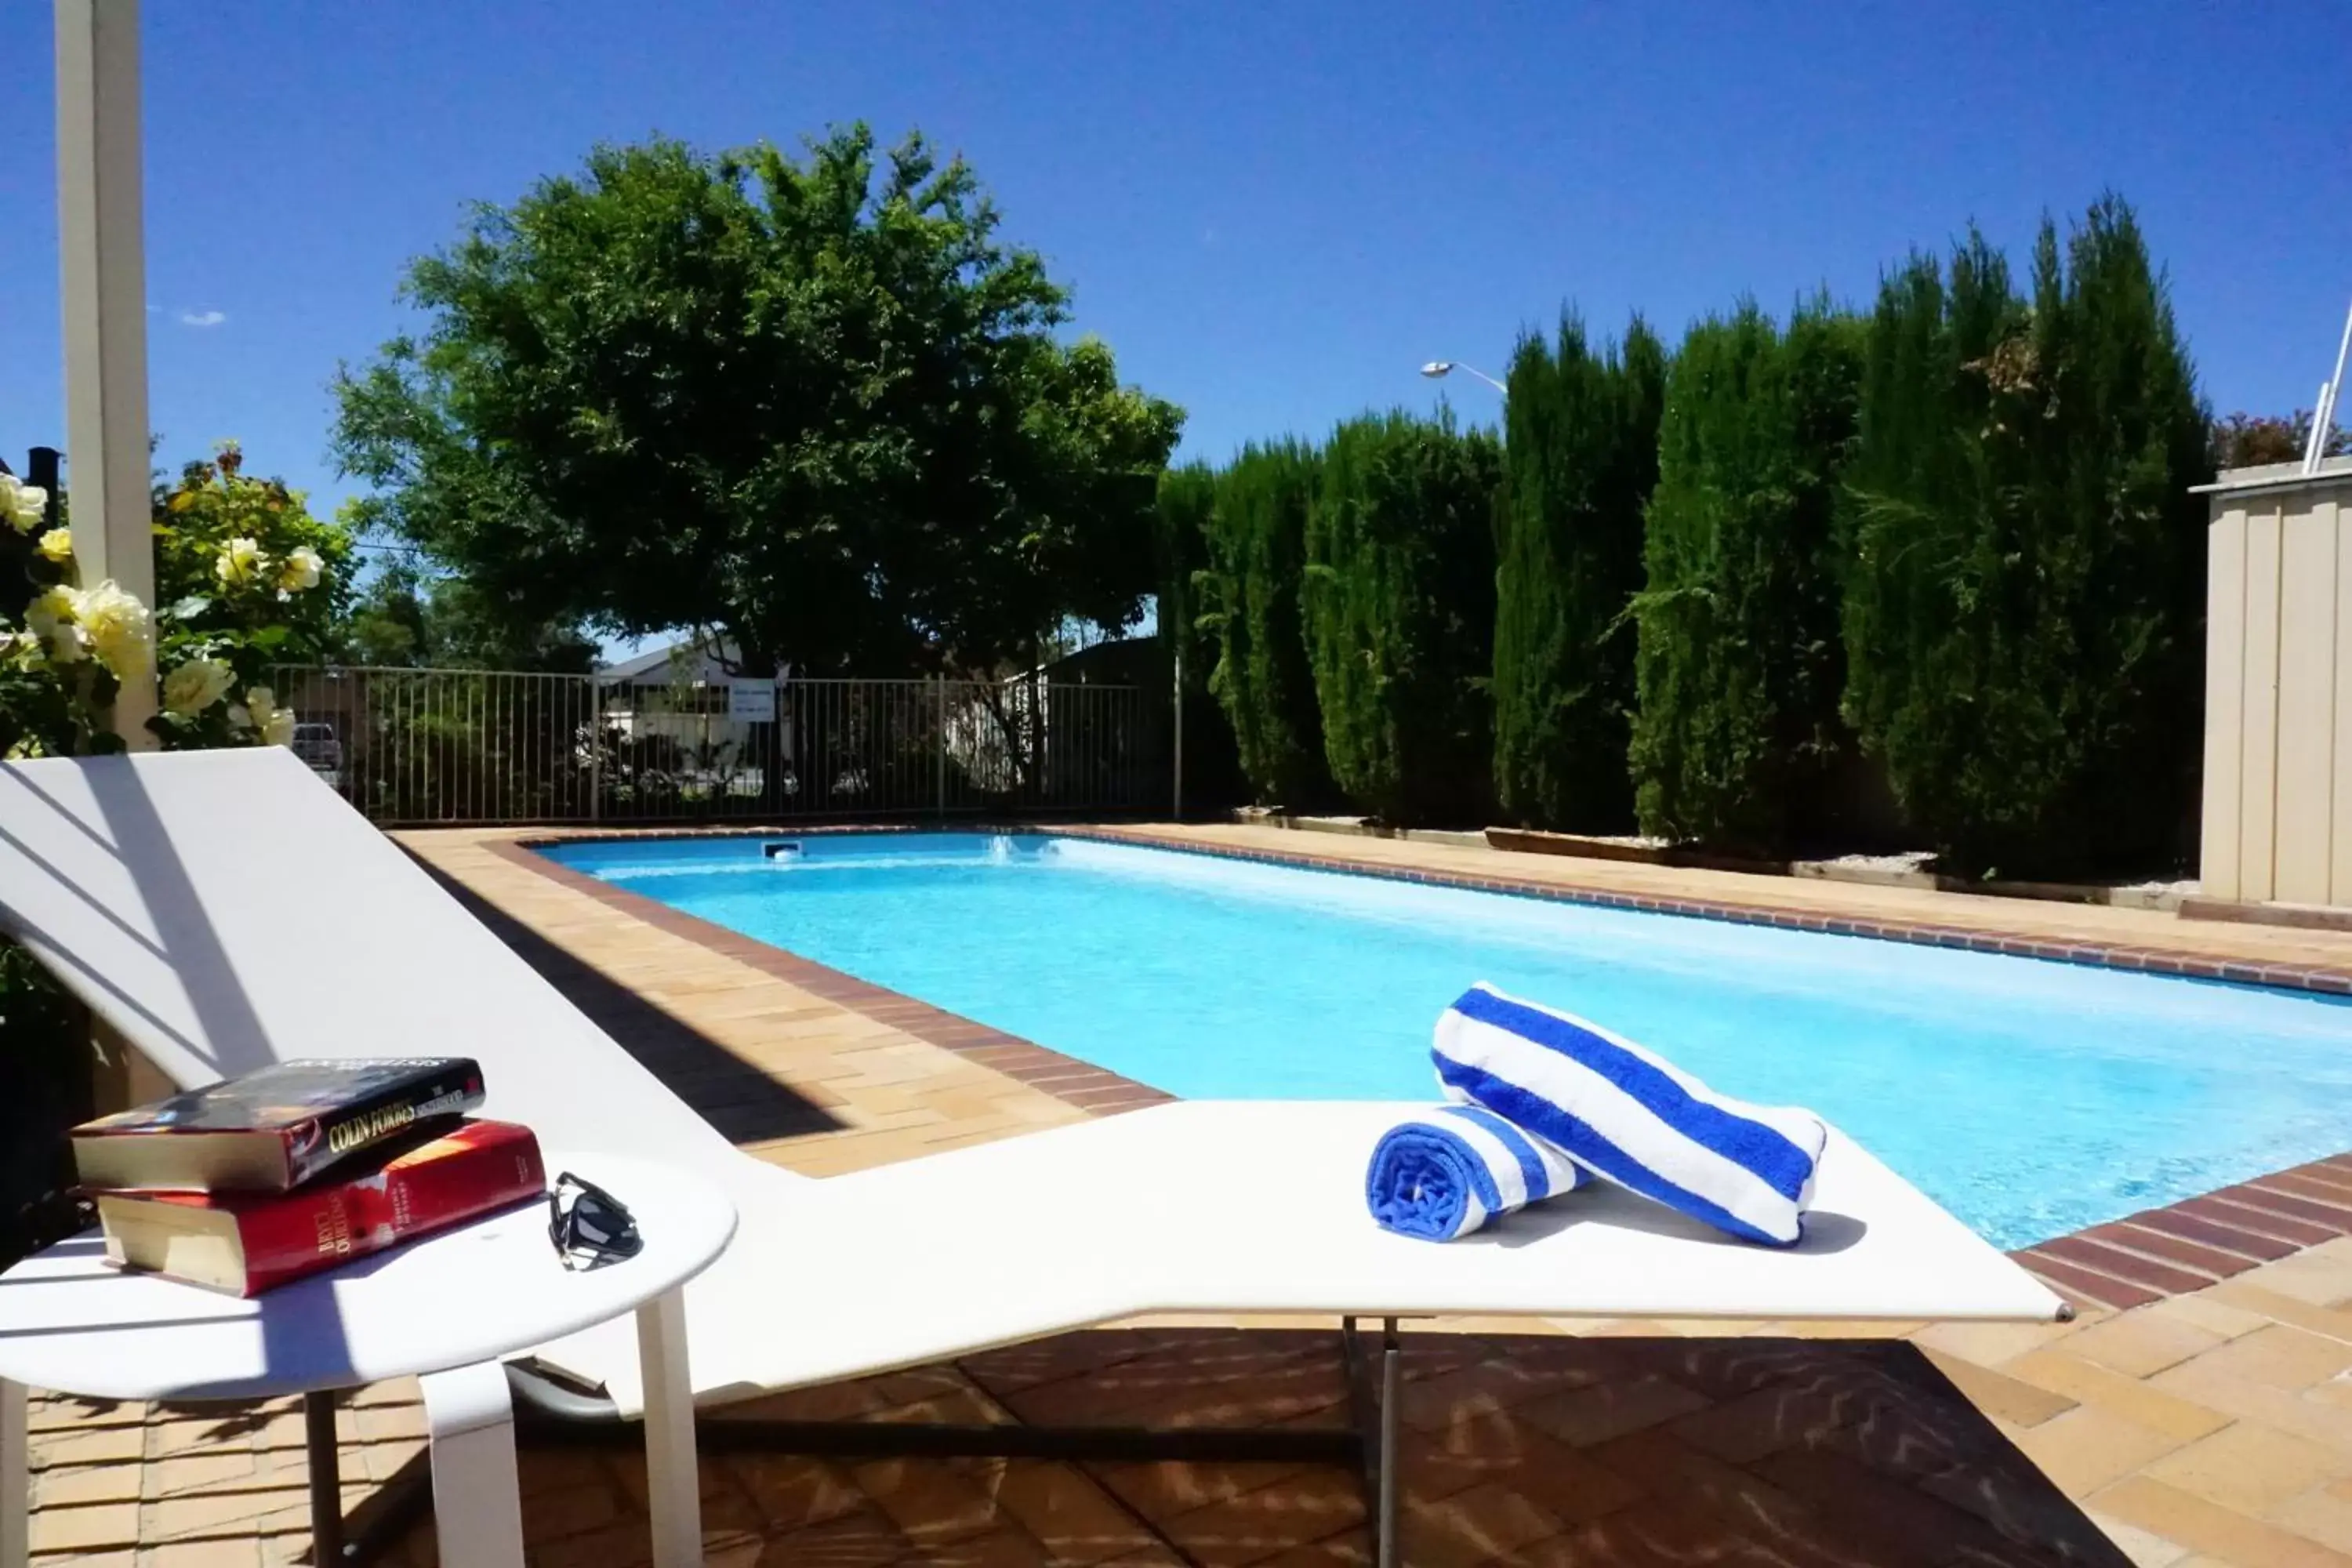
{"x":118,"y":628}
{"x":299,"y":570}
{"x":241,"y":561}
{"x":57,"y":545}
{"x":197,"y":685}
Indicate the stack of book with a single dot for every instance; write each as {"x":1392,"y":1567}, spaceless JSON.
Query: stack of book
{"x":259,"y":1180}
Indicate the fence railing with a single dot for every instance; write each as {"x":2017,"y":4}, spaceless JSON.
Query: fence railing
{"x":418,"y":746}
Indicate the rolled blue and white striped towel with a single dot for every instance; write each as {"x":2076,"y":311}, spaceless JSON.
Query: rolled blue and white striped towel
{"x":1450,"y":1171}
{"x":1629,"y":1116}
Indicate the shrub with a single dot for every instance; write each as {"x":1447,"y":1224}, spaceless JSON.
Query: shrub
{"x":2027,"y":564}
{"x":1740,"y":664}
{"x":1250,"y":600}
{"x":1400,"y":610}
{"x":1581,"y":457}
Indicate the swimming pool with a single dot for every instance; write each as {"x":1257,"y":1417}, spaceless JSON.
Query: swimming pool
{"x":2030,"y":1098}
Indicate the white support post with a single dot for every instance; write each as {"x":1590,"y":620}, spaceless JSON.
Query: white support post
{"x":673,"y":1482}
{"x":100,"y":243}
{"x":477,"y":1495}
{"x":16,"y":1476}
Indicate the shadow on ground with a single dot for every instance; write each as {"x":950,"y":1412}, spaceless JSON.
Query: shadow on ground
{"x":742,"y":1101}
{"x":1545,"y":1451}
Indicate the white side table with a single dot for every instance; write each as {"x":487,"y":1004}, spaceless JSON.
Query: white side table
{"x":445,"y":1308}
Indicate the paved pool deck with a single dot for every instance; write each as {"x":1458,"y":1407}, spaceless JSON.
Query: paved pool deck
{"x":2198,"y":1412}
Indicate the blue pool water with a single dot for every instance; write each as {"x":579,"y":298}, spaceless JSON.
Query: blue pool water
{"x":2030,"y":1098}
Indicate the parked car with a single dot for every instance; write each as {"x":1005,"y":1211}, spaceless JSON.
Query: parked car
{"x":316,"y":745}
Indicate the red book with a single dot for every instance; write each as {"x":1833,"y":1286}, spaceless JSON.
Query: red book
{"x":246,"y":1243}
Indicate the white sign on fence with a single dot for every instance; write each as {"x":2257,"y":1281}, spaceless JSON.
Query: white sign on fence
{"x":751,"y":702}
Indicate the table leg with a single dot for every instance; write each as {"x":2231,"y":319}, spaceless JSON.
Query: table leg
{"x":326,"y":1477}
{"x":1390,"y":1407}
{"x":16,"y":1476}
{"x":476,"y":1498}
{"x":673,"y":1481}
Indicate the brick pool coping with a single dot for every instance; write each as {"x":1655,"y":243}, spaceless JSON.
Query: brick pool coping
{"x":2171,"y":1250}
{"x":2106,"y":956}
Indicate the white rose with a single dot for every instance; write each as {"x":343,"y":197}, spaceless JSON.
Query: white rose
{"x":260,"y":713}
{"x":240,"y":561}
{"x":21,"y":504}
{"x":197,"y":685}
{"x":299,"y":570}
{"x":57,"y":545}
{"x":50,"y":619}
{"x":119,"y":630}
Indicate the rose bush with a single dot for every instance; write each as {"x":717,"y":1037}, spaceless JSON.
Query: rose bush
{"x":246,"y":579}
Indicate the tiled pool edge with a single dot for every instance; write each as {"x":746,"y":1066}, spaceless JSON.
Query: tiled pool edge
{"x":2140,"y":1257}
{"x":2319,"y":978}
{"x":2184,"y":1246}
{"x":2108,"y":955}
{"x":1067,"y":1079}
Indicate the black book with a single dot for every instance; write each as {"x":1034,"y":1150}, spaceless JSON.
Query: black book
{"x":273,"y":1129}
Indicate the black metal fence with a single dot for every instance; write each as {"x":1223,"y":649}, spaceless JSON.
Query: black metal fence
{"x":411,"y":747}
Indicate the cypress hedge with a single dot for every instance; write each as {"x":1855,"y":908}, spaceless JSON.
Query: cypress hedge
{"x":2022,"y":617}
{"x":1581,"y":457}
{"x":1256,"y":537}
{"x":1181,"y":542}
{"x":1400,"y":610}
{"x":1739,"y":666}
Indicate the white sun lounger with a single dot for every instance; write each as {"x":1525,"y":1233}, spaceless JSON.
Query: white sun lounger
{"x":225,"y":909}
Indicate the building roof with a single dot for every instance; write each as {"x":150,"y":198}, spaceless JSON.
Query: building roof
{"x":654,"y":664}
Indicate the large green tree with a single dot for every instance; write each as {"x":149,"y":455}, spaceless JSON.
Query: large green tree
{"x":2022,"y":619}
{"x":816,"y":404}
{"x":409,"y":616}
{"x":2245,"y":440}
{"x":1400,"y":614}
{"x":1250,"y":600}
{"x":1739,"y":664}
{"x":1582,"y":458}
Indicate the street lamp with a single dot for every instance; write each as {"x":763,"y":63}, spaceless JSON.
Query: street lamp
{"x":1436,"y":369}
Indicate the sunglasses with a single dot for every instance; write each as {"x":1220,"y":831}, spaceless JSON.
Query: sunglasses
{"x":589,"y":1225}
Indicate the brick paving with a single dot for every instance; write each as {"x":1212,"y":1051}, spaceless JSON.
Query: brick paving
{"x":2197,"y":1413}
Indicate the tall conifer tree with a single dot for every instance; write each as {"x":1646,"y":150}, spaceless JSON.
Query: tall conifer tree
{"x":1580,"y":462}
{"x":1400,"y":600}
{"x":2027,"y":562}
{"x":1739,"y":663}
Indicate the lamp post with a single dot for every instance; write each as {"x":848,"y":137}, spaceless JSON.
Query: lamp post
{"x":101,"y":250}
{"x":1438,"y":369}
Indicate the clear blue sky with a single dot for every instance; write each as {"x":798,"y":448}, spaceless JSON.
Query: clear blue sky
{"x":1274,"y":214}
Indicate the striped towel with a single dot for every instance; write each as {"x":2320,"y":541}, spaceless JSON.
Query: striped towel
{"x":1453,"y":1168}
{"x":1628,"y":1116}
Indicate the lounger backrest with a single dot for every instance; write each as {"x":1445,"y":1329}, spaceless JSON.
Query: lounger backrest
{"x":226,"y":910}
